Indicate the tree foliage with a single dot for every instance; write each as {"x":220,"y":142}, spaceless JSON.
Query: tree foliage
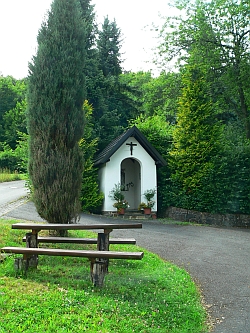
{"x":15,"y":124}
{"x":55,"y":116}
{"x":208,"y":164}
{"x":12,"y":122}
{"x":91,"y":198}
{"x":109,"y":44}
{"x":102,"y":80}
{"x":220,"y":30}
{"x":12,"y":109}
{"x":197,"y":142}
{"x":161,"y":95}
{"x":198,"y":132}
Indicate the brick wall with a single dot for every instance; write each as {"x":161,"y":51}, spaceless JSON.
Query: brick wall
{"x":228,"y":220}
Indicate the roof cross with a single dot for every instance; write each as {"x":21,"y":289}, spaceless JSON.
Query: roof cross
{"x":131,"y":144}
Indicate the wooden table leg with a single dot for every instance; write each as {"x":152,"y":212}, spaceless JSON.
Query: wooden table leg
{"x":103,"y":245}
{"x":103,"y":242}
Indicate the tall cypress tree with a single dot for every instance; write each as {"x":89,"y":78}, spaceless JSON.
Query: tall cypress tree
{"x":55,"y":116}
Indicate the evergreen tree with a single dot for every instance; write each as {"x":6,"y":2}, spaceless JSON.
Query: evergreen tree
{"x":133,"y":88}
{"x":196,"y":139}
{"x":108,"y":108}
{"x":95,"y":84}
{"x":55,"y":116}
{"x":91,"y":70}
{"x":109,"y":44}
{"x":88,"y":15}
{"x":91,"y":198}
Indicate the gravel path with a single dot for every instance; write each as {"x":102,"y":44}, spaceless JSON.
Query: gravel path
{"x":218,"y":259}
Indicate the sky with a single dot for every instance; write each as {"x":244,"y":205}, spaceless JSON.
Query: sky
{"x":20,"y":21}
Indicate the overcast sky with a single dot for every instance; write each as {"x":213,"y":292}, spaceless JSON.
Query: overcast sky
{"x":20,"y":21}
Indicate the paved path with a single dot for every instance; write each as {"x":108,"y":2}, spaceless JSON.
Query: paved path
{"x":218,"y":259}
{"x":10,"y":194}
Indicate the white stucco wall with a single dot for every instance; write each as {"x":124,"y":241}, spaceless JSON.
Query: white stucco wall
{"x":111,"y":172}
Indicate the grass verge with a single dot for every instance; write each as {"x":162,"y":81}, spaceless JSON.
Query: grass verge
{"x":7,"y":176}
{"x":144,"y":296}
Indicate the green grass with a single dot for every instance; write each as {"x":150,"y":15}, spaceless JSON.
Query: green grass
{"x":146,"y":296}
{"x":7,"y":176}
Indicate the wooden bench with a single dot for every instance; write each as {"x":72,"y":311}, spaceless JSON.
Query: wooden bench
{"x":97,"y":267}
{"x":71,"y":240}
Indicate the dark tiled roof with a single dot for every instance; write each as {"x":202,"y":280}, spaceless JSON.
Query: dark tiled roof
{"x":105,"y":155}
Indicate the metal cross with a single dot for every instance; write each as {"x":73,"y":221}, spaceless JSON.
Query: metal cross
{"x":131,"y":144}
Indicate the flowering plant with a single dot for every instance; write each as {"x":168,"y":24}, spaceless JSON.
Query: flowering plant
{"x":121,"y":204}
{"x":142,"y":206}
{"x":150,"y":204}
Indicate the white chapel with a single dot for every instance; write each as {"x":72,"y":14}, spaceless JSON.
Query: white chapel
{"x":131,"y":161}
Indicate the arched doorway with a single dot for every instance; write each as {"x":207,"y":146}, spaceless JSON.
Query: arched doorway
{"x":131,"y":181}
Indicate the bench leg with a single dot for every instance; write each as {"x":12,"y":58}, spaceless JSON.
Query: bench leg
{"x":21,"y":266}
{"x":97,"y":272}
{"x":31,"y":241}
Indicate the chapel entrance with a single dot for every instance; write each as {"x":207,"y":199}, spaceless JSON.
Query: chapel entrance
{"x":131,"y":181}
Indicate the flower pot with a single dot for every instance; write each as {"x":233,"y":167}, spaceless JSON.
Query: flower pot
{"x":121,"y":211}
{"x":147,"y":211}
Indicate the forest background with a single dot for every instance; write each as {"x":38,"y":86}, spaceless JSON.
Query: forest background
{"x":197,"y":116}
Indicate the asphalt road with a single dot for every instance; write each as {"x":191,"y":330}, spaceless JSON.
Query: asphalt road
{"x":218,"y":260}
{"x":10,"y":192}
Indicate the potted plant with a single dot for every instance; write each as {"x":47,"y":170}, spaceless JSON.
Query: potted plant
{"x":142,"y":206}
{"x":148,"y":195}
{"x":116,"y":194}
{"x":121,"y":206}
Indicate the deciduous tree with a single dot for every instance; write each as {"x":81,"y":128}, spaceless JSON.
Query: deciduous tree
{"x":220,"y":30}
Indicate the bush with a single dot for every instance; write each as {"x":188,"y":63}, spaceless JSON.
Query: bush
{"x":8,"y":160}
{"x":224,"y":189}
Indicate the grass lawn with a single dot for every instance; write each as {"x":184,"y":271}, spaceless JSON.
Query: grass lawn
{"x":7,"y":176}
{"x":146,"y":296}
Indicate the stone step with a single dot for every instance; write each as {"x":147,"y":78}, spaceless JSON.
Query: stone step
{"x":134,"y":215}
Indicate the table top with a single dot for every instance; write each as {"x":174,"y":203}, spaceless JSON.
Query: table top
{"x":57,"y":226}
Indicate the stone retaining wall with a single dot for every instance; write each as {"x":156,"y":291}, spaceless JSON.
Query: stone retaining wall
{"x":228,"y":220}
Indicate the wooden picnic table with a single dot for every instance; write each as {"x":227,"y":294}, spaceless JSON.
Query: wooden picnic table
{"x":99,"y":259}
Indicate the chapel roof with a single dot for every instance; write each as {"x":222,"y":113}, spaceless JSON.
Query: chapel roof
{"x":114,"y":145}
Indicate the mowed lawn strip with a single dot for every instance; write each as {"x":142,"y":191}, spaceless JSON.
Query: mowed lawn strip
{"x":144,"y":296}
